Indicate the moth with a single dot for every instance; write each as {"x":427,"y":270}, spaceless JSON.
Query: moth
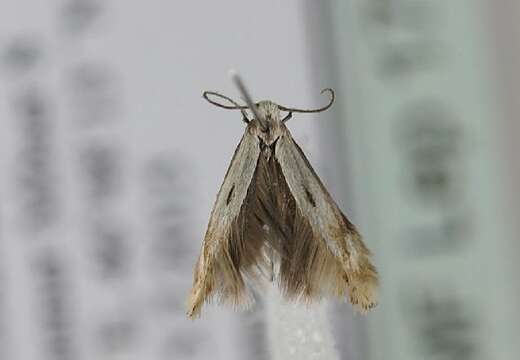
{"x":274,"y":219}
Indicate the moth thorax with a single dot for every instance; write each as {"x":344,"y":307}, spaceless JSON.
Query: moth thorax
{"x":267,"y":151}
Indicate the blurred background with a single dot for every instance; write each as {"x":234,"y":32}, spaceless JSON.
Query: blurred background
{"x":110,"y":161}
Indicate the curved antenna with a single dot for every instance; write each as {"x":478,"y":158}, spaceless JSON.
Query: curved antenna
{"x":235,"y":106}
{"x":332,"y":98}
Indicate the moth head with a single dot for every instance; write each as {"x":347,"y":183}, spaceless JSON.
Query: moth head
{"x":267,"y":114}
{"x":267,"y":123}
{"x":269,"y":111}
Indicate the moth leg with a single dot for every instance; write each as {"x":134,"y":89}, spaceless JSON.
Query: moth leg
{"x":269,"y":251}
{"x":245,"y":118}
{"x":271,"y":261}
{"x":287,"y":117}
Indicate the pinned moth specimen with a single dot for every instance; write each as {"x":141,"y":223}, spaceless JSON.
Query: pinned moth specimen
{"x":274,"y":219}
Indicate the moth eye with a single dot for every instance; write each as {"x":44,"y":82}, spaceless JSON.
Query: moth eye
{"x":230,"y":194}
{"x":310,"y":197}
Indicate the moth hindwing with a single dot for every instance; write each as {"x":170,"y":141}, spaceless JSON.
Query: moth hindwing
{"x":274,"y":216}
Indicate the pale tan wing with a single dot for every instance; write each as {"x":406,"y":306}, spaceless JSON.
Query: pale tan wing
{"x":217,"y":270}
{"x":330,"y":227}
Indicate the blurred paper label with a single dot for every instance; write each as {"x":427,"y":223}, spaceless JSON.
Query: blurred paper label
{"x":95,"y":252}
{"x":422,"y":115}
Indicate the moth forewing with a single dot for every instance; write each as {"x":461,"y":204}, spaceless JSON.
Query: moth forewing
{"x":329,"y":227}
{"x":216,"y":271}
